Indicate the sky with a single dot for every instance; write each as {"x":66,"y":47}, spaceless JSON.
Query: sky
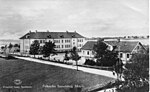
{"x":90,"y":18}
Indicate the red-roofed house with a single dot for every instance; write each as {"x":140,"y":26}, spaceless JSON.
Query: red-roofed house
{"x":125,"y":48}
{"x":63,"y":40}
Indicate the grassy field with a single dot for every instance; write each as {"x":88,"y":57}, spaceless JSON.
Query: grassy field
{"x":44,"y":78}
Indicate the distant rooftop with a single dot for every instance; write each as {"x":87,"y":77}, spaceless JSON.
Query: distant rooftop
{"x":125,"y":46}
{"x":51,"y":35}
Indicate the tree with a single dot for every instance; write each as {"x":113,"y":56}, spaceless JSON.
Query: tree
{"x":34,"y":48}
{"x":48,"y":49}
{"x":17,"y":47}
{"x":118,"y":68}
{"x":10,"y":46}
{"x":136,"y":74}
{"x":75,"y":56}
{"x":66,"y":56}
{"x":2,"y":47}
{"x":104,"y":56}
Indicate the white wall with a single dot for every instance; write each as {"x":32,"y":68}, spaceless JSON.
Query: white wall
{"x":124,"y":57}
{"x":25,"y":43}
{"x":85,"y":53}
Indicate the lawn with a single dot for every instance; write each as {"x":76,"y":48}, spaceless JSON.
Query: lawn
{"x":45,"y":78}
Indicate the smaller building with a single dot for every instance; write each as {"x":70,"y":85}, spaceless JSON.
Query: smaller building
{"x":125,"y":48}
{"x":87,"y":50}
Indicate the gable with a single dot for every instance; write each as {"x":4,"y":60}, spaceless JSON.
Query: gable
{"x":139,"y":49}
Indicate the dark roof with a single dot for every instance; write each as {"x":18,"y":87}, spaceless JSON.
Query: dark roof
{"x":125,"y":46}
{"x":51,"y":35}
{"x":89,"y":45}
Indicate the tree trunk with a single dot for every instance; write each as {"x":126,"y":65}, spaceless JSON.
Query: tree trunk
{"x":77,"y":64}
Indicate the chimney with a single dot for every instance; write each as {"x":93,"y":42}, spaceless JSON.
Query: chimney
{"x":66,"y":31}
{"x":47,"y":30}
{"x":29,"y":31}
{"x":36,"y":31}
{"x":75,"y":31}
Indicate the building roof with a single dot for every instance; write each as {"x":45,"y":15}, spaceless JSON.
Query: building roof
{"x":51,"y":35}
{"x":89,"y":45}
{"x":125,"y":46}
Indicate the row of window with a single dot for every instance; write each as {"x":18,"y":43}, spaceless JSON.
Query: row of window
{"x":62,"y":46}
{"x":67,"y":46}
{"x":60,"y":41}
{"x":80,"y":40}
{"x":57,"y":41}
{"x":67,"y":41}
{"x":41,"y":41}
{"x":121,"y":55}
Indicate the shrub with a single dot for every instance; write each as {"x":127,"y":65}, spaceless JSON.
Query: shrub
{"x":89,"y":62}
{"x":105,"y":62}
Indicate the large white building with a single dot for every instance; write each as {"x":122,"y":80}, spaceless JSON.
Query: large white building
{"x":63,"y":40}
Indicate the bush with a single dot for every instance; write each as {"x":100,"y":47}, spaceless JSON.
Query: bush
{"x":105,"y":62}
{"x":89,"y":62}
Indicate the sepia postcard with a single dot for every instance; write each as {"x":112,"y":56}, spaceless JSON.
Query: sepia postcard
{"x":74,"y":46}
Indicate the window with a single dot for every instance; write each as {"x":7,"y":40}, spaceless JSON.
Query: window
{"x":55,"y":41}
{"x":120,"y":55}
{"x":78,"y":40}
{"x":67,"y":41}
{"x":67,"y":46}
{"x":43,"y":41}
{"x":35,"y":40}
{"x":62,"y":41}
{"x":87,"y":52}
{"x":62,"y":46}
{"x":80,"y":45}
{"x":128,"y":55}
{"x":57,"y":46}
{"x":40,"y":41}
{"x":26,"y":47}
